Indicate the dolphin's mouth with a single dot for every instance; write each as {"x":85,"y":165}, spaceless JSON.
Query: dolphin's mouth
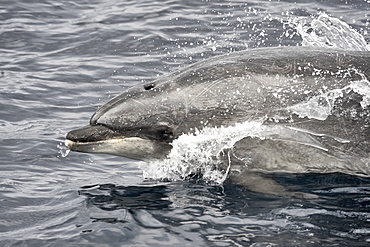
{"x":138,"y":143}
{"x":95,"y":133}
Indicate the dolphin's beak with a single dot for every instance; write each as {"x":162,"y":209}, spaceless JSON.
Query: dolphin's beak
{"x":101,"y":139}
{"x":92,"y":133}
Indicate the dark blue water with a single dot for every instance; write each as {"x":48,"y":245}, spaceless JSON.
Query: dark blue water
{"x":60,"y":60}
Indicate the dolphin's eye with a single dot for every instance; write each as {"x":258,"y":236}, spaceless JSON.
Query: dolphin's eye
{"x":164,"y":133}
{"x":149,"y":86}
{"x":156,"y":132}
{"x":167,"y":134}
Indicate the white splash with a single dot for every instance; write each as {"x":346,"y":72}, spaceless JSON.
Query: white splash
{"x":200,"y":153}
{"x":363,"y":88}
{"x":329,"y":32}
{"x":321,"y":106}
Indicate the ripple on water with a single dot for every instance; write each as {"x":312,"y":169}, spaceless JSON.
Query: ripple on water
{"x":61,"y":60}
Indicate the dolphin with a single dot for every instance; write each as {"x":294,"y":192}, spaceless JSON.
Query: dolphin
{"x":314,"y":104}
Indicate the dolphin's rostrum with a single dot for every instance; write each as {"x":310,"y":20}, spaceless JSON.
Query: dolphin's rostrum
{"x":314,"y":102}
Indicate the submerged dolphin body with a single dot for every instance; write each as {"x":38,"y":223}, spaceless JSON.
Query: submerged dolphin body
{"x":315,"y":104}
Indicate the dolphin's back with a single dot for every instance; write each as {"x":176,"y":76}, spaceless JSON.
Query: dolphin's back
{"x":238,"y":86}
{"x":291,"y":61}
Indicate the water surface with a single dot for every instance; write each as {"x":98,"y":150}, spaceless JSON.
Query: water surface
{"x":62,"y":60}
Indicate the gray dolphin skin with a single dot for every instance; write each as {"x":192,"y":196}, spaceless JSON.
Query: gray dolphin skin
{"x":314,"y":102}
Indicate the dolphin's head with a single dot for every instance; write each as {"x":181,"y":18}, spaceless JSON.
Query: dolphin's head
{"x":136,"y":124}
{"x":142,"y":122}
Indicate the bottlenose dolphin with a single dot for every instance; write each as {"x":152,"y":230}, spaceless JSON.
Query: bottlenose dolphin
{"x":314,"y":102}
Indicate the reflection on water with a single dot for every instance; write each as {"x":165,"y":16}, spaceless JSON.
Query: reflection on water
{"x":111,"y":197}
{"x":229,"y":214}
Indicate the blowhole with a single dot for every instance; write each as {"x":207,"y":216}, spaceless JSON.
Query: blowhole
{"x":149,"y":86}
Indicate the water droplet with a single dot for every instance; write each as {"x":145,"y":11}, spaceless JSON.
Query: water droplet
{"x":63,"y":150}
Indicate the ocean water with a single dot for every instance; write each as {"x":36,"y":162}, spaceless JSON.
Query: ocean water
{"x":61,"y":60}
